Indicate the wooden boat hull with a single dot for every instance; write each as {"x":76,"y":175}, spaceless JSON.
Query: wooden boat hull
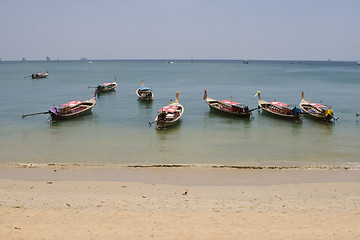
{"x":108,"y":88}
{"x":84,"y":108}
{"x":163,"y":124}
{"x":276,"y":111}
{"x":39,"y":76}
{"x":144,"y":96}
{"x":314,"y":112}
{"x":164,"y":120}
{"x":220,"y":107}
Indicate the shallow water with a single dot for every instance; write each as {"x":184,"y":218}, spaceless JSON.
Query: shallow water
{"x":117,"y":130}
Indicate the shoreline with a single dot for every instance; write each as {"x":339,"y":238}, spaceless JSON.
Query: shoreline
{"x":177,"y":175}
{"x":354,"y":166}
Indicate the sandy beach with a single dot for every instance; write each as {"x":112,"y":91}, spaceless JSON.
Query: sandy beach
{"x":57,"y":202}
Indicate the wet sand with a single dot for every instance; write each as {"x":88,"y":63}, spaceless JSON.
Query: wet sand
{"x":77,"y":202}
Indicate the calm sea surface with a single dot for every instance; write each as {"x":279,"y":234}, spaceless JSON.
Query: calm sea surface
{"x":117,"y":130}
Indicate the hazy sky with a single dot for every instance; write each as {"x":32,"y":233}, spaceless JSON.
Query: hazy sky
{"x":180,"y":29}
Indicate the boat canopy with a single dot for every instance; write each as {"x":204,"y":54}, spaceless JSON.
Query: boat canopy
{"x":71,"y":104}
{"x":168,"y":108}
{"x":231,"y":103}
{"x":279,"y":104}
{"x":107,"y":84}
{"x":318,"y":105}
{"x":143,"y":88}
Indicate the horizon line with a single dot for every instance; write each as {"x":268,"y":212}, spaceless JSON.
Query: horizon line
{"x":179,"y":59}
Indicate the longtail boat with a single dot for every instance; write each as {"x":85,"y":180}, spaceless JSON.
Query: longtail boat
{"x":169,"y":115}
{"x":228,"y":106}
{"x":106,"y":87}
{"x":68,"y":110}
{"x":39,"y":75}
{"x":280,"y":109}
{"x":144,"y":93}
{"x":316,"y":110}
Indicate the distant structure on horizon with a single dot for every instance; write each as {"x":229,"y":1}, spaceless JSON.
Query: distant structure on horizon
{"x":83,"y":59}
{"x":23,"y":59}
{"x":48,"y":59}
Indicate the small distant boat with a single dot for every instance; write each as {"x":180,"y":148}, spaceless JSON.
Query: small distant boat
{"x":170,"y":62}
{"x":106,"y":87}
{"x":280,"y":109}
{"x":358,"y":63}
{"x":39,"y":75}
{"x":246,"y":61}
{"x":68,"y":110}
{"x":316,"y":110}
{"x":169,"y":115}
{"x":144,"y":93}
{"x":228,"y":106}
{"x":90,"y":62}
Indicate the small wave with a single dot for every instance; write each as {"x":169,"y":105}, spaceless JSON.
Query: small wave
{"x":214,"y":166}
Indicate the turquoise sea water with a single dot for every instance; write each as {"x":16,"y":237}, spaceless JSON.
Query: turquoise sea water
{"x":117,"y":131}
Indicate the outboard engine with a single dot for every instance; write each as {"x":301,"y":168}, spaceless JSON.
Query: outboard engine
{"x":297,"y":113}
{"x":162,"y":116}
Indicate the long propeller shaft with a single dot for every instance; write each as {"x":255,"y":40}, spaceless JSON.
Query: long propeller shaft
{"x":31,"y":114}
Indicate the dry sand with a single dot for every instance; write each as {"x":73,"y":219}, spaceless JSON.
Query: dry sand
{"x":184,"y":203}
